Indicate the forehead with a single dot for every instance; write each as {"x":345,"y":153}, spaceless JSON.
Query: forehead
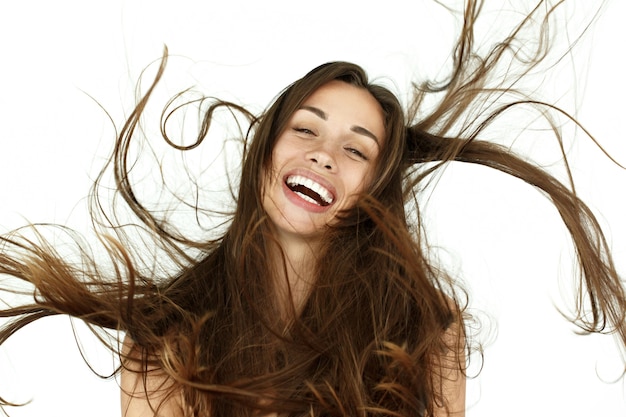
{"x":343,"y":102}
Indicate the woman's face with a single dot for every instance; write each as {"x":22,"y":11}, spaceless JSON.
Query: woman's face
{"x":323,"y":159}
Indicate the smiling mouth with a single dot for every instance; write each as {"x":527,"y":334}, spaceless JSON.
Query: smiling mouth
{"x":310,"y":190}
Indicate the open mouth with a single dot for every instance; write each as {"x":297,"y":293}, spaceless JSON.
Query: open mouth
{"x":310,"y":190}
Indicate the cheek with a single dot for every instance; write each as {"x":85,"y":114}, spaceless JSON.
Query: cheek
{"x":366,"y":179}
{"x":282,"y":153}
{"x":357,"y":183}
{"x":374,"y":172}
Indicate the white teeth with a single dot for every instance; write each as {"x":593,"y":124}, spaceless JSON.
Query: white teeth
{"x":307,"y":198}
{"x":312,"y":185}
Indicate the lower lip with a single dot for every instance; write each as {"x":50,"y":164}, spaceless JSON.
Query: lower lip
{"x":300,"y":202}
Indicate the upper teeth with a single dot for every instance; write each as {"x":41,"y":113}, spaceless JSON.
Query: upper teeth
{"x":312,"y":185}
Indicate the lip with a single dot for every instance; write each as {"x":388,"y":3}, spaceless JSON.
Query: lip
{"x":298,"y":201}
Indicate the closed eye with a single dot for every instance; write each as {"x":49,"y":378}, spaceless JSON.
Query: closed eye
{"x":358,"y":153}
{"x":304,"y":130}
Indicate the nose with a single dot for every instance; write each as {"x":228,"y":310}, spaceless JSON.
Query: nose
{"x":322,"y":157}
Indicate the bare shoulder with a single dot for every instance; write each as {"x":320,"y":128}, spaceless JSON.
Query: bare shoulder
{"x":452,"y":365}
{"x":146,"y":392}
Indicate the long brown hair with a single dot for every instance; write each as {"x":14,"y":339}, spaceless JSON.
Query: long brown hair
{"x":370,"y":337}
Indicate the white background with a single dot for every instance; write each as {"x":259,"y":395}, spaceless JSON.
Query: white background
{"x":500,"y":236}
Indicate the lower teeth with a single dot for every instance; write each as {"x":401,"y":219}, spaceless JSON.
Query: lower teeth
{"x":307,"y":198}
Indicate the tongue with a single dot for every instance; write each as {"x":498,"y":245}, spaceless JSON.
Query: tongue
{"x":309,"y":193}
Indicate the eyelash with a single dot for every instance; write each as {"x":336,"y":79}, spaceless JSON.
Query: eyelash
{"x":357,"y":153}
{"x":303,"y":130}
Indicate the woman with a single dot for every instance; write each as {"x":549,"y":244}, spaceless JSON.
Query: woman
{"x":325,"y":165}
{"x":319,"y":299}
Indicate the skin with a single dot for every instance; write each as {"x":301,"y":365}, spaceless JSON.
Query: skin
{"x":334,"y":139}
{"x":141,"y":397}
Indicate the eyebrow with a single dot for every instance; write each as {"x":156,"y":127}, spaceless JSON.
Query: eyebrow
{"x":356,"y":129}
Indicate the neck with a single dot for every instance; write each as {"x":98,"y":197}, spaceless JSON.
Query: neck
{"x":294,"y":266}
